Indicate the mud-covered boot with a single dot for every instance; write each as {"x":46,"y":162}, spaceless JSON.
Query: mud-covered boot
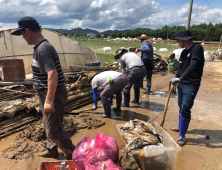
{"x":136,"y":97}
{"x":118,"y":103}
{"x":177,"y":129}
{"x":148,"y":87}
{"x":50,"y":153}
{"x":184,"y":124}
{"x":126,"y":99}
{"x":107,"y":109}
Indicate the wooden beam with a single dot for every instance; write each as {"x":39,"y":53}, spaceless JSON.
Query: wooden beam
{"x":90,"y":67}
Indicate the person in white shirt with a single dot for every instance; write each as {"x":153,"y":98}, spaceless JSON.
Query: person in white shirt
{"x":135,"y":76}
{"x":114,"y":82}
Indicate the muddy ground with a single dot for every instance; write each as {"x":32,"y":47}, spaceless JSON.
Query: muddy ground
{"x":199,"y":153}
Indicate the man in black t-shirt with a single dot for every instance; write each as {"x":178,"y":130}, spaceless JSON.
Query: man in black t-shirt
{"x":188,"y":77}
{"x":49,"y":82}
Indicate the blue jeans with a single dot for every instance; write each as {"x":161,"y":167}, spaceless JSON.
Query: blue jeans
{"x":186,"y":96}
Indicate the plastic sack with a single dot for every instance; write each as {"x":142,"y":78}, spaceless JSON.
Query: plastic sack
{"x":92,"y":150}
{"x":152,"y":150}
{"x":108,"y":165}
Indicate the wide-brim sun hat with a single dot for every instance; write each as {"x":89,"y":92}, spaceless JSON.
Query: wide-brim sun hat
{"x":119,"y":51}
{"x":143,"y":37}
{"x":184,"y":35}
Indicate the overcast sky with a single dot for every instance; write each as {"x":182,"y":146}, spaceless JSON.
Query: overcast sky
{"x":110,"y":14}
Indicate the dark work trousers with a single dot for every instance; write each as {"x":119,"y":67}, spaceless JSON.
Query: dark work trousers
{"x":115,"y":87}
{"x":149,"y":67}
{"x":53,"y":122}
{"x":186,"y":96}
{"x":135,"y":77}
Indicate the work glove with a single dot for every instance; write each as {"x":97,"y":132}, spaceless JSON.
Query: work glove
{"x":49,"y":107}
{"x":137,"y":50}
{"x":175,"y":80}
{"x":94,"y":107}
{"x":110,"y":80}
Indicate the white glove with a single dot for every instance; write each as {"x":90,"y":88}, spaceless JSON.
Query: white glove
{"x":175,"y":80}
{"x":137,"y":50}
{"x":49,"y":107}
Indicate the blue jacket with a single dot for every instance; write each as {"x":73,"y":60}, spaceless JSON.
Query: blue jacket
{"x":146,"y":51}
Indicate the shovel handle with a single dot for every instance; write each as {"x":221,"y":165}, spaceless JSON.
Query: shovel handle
{"x":167,"y":101}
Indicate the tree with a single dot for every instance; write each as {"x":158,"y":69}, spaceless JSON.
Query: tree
{"x":98,"y":35}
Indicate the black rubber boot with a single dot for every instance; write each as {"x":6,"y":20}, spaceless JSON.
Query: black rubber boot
{"x":107,"y":109}
{"x":50,"y":153}
{"x":118,"y":103}
{"x":136,"y":97}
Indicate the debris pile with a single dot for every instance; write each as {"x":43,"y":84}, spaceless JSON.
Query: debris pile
{"x":33,"y":139}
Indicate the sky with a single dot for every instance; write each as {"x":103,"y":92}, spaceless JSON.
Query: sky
{"x":104,"y":15}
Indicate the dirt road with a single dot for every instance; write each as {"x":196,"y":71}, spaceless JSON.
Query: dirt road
{"x":199,"y":153}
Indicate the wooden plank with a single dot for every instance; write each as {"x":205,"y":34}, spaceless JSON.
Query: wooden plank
{"x":89,"y":67}
{"x":25,"y":82}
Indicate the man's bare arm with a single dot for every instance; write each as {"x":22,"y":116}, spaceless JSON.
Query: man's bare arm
{"x":52,"y":84}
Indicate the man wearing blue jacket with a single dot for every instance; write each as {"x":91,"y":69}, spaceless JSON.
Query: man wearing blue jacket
{"x":147,"y":58}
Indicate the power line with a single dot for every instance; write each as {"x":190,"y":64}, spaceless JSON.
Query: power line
{"x":210,"y":5}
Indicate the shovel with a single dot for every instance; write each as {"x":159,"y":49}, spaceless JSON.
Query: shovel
{"x":171,"y":89}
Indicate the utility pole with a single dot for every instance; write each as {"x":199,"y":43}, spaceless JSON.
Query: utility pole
{"x":189,"y":17}
{"x":220,"y":42}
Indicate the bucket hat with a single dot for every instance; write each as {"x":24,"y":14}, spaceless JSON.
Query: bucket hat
{"x":119,"y":51}
{"x":25,"y":22}
{"x":184,"y":35}
{"x":143,"y":37}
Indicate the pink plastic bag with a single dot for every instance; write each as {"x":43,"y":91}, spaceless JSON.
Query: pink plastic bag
{"x":104,"y":165}
{"x":90,"y":151}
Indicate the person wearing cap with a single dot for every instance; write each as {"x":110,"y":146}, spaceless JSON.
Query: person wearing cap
{"x":49,"y":82}
{"x":147,"y":58}
{"x":114,"y":82}
{"x":188,"y":77}
{"x":135,"y":76}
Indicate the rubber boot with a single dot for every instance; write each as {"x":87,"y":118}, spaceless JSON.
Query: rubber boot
{"x":136,"y":97}
{"x":111,"y":100}
{"x":50,"y":153}
{"x":148,"y":87}
{"x":184,"y":124}
{"x":107,"y":110}
{"x":118,"y":103}
{"x":177,"y":129}
{"x":126,"y":99}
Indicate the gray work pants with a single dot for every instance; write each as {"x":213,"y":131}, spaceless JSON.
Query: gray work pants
{"x":53,"y":123}
{"x":115,"y":87}
{"x":135,"y":77}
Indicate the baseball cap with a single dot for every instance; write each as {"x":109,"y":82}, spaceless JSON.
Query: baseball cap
{"x":25,"y":22}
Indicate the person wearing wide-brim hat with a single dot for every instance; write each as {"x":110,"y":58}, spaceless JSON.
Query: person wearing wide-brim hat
{"x":188,"y":77}
{"x":147,"y":58}
{"x":135,"y":76}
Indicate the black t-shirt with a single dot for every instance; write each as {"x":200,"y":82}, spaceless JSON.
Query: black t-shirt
{"x":193,"y":75}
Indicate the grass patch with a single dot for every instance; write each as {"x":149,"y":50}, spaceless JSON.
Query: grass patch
{"x":97,"y":46}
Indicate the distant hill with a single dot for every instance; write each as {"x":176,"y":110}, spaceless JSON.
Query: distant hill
{"x":80,"y":31}
{"x":109,"y":32}
{"x":76,"y":31}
